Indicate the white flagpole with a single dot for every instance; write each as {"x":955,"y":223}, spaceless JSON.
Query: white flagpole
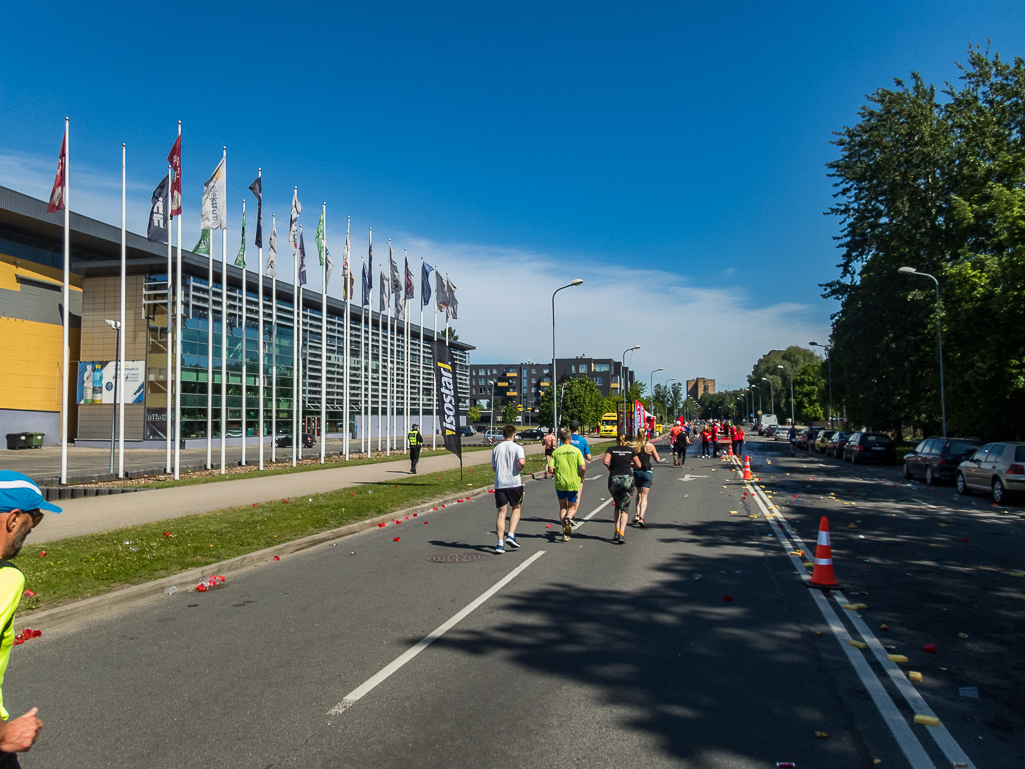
{"x":66,"y":300}
{"x":224,"y":324}
{"x":296,"y":338}
{"x":177,"y":339}
{"x":169,"y":376}
{"x":301,"y":431}
{"x":434,"y":395}
{"x":243,"y":299}
{"x":261,"y":346}
{"x":121,"y":332}
{"x":362,"y":368}
{"x":346,"y":334}
{"x":386,"y":370}
{"x":405,"y":355}
{"x":273,"y":357}
{"x":420,"y":377}
{"x":323,"y":345}
{"x":209,"y":352}
{"x":369,"y":352}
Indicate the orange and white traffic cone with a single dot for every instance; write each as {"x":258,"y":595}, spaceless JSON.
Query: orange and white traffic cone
{"x":729,"y":450}
{"x":822,"y":577}
{"x":747,"y":468}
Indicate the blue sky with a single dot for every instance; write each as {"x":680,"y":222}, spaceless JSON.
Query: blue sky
{"x":671,"y":154}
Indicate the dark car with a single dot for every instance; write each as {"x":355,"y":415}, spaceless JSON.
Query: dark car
{"x":533,"y":434}
{"x":936,"y":459}
{"x":285,"y":441}
{"x":870,"y":447}
{"x":835,"y":446}
{"x":467,"y":431}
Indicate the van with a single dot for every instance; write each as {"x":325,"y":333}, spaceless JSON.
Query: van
{"x":765,"y":421}
{"x":609,"y":425}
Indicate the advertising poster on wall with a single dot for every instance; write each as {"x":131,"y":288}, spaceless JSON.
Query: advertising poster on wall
{"x":96,"y":381}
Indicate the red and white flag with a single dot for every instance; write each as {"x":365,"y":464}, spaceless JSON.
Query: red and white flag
{"x":175,"y":161}
{"x":61,"y":182}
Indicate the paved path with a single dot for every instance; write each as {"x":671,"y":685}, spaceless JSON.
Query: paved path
{"x":96,"y":514}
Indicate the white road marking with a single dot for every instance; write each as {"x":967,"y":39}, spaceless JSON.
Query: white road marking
{"x":593,"y":477}
{"x":689,"y":477}
{"x":367,"y":686}
{"x":906,"y":738}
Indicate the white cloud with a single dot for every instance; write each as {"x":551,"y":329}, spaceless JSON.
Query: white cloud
{"x":715,"y":329}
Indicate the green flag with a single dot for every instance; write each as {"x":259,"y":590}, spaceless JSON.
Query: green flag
{"x":240,"y":260}
{"x":203,"y":246}
{"x":320,"y":239}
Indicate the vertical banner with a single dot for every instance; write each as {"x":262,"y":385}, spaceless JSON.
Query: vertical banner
{"x":638,"y":421}
{"x":448,"y":402}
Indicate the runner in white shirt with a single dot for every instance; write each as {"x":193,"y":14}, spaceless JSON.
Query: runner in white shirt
{"x":508,"y":458}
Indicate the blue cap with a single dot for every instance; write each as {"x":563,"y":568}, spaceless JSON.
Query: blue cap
{"x":19,"y":492}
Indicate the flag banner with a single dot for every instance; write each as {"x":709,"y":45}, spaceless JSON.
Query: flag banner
{"x":156,"y":229}
{"x":240,"y":260}
{"x":451,"y":305}
{"x":425,"y":283}
{"x":257,"y":189}
{"x":383,"y":306}
{"x":272,"y":256}
{"x":366,"y":288}
{"x":369,"y":276}
{"x":60,"y":181}
{"x":396,"y":284}
{"x":174,"y":159}
{"x":302,"y":261}
{"x":202,"y":248}
{"x":293,"y":220}
{"x":439,"y":291}
{"x":329,"y":267}
{"x":346,"y":273}
{"x":320,"y":238}
{"x":212,"y":214}
{"x":448,"y":402}
{"x":409,"y":284}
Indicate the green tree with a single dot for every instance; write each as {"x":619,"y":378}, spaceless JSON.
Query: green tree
{"x":509,"y":413}
{"x":809,"y":385}
{"x":474,"y":413}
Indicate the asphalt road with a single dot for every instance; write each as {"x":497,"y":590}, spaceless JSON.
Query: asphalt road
{"x":586,"y":654}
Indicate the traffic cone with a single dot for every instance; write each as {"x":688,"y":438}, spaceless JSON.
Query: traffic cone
{"x":747,"y":468}
{"x":822,"y":577}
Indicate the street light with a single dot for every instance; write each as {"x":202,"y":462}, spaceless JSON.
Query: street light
{"x":772,"y":393}
{"x":939,"y":335}
{"x":793,"y":418}
{"x":116,"y":325}
{"x":622,"y":377}
{"x":492,"y":383}
{"x":671,"y":379}
{"x":829,"y":370}
{"x":555,"y":379}
{"x":652,"y":387}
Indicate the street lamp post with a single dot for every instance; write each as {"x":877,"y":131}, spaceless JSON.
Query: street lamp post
{"x":555,"y":378}
{"x":793,"y":418}
{"x":829,"y":373}
{"x":492,"y":383}
{"x":116,"y":325}
{"x":671,"y":379}
{"x":772,"y":394}
{"x":622,"y":377}
{"x":939,"y":336}
{"x":652,"y":386}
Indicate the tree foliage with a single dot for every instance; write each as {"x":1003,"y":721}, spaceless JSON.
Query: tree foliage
{"x":580,"y":400}
{"x":937,"y":184}
{"x":509,"y":413}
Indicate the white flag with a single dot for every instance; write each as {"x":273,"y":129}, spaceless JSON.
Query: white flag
{"x":213,"y":214}
{"x":328,"y":267}
{"x":293,"y":221}
{"x":272,"y":267}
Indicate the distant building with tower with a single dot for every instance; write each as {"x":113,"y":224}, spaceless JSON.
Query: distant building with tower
{"x":698,"y":387}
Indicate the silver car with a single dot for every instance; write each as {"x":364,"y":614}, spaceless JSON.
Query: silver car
{"x":998,"y":468}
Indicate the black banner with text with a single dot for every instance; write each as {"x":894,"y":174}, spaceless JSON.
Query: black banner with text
{"x":448,"y":398}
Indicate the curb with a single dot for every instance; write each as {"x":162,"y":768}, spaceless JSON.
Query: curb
{"x":51,"y":619}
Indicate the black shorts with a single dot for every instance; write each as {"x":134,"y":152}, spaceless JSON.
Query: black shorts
{"x":512,"y":497}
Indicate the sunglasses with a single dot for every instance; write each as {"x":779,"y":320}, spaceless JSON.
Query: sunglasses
{"x":36,"y":515}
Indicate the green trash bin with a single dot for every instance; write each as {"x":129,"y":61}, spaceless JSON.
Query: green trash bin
{"x":34,"y":440}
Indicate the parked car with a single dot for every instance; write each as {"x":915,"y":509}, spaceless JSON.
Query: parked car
{"x":937,"y":459}
{"x":996,"y":467}
{"x":765,"y":423}
{"x":822,"y":440}
{"x":834,"y":447}
{"x":870,"y":447}
{"x":285,"y":441}
{"x":494,"y":435}
{"x":781,"y":433}
{"x":804,"y":437}
{"x":533,"y":434}
{"x":467,"y":431}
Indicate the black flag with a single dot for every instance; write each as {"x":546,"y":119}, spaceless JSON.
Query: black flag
{"x":156,"y":230}
{"x":257,"y":189}
{"x":448,"y":398}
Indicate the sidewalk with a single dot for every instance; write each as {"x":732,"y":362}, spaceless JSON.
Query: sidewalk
{"x":92,"y":515}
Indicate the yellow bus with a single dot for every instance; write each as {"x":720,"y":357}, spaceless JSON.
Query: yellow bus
{"x":609,"y":425}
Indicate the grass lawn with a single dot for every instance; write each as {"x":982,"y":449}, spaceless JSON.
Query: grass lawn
{"x":80,"y":567}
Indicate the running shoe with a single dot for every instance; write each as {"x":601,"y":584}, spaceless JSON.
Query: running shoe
{"x":499,"y":549}
{"x":640,"y":522}
{"x":567,"y":527}
{"x":511,"y":541}
{"x":615,"y":538}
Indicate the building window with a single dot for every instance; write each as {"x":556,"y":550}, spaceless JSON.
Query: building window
{"x":573,"y":368}
{"x":598,"y":380}
{"x":601,"y":366}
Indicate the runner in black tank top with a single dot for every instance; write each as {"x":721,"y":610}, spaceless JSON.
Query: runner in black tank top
{"x":643,"y":476}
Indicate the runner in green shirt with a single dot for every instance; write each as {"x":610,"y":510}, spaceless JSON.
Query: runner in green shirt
{"x":568,"y":466}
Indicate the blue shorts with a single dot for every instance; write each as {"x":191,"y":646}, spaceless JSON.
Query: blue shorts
{"x":643,"y":479}
{"x":569,"y":496}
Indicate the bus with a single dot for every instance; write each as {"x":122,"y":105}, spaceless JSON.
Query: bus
{"x":609,"y":425}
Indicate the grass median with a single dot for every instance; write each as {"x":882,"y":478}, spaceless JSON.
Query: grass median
{"x":81,"y":567}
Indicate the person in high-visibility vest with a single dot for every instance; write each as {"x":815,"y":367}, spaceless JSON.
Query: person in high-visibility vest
{"x":416,"y":442}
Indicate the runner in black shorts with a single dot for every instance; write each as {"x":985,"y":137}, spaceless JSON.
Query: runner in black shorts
{"x":508,"y":459}
{"x":680,"y":447}
{"x":621,"y":460}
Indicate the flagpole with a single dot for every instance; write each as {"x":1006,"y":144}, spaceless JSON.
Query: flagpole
{"x":405,"y":353}
{"x":243,"y":298}
{"x":301,"y":432}
{"x":224,"y":323}
{"x":346,"y":334}
{"x":66,"y":302}
{"x":420,"y":375}
{"x":120,"y":385}
{"x":296,"y":336}
{"x":209,"y":351}
{"x":323,"y":344}
{"x":169,"y":374}
{"x":369,"y":354}
{"x":362,"y":368}
{"x":273,"y":355}
{"x":177,"y":330}
{"x":261,"y":346}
